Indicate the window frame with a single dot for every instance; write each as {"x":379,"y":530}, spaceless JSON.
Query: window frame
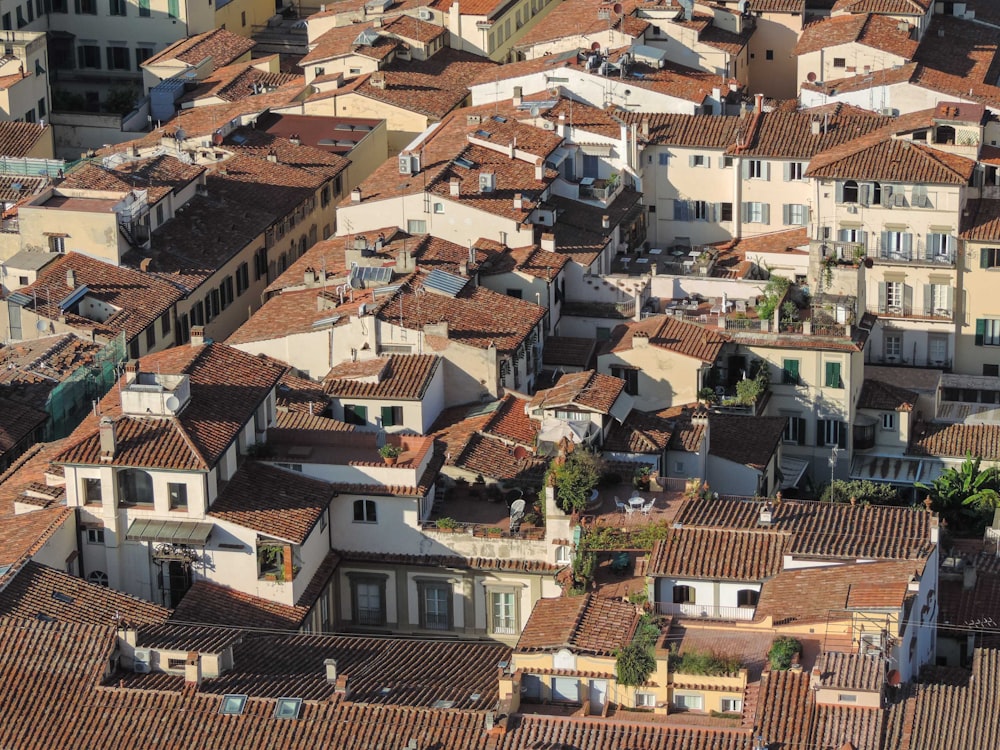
{"x":177,"y":496}
{"x":356,"y":414}
{"x":437,"y":586}
{"x":365,"y":511}
{"x":377,"y":582}
{"x":95,"y":535}
{"x":87,"y":484}
{"x":493,"y":617}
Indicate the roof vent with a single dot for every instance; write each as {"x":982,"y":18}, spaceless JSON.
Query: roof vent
{"x":766,"y":515}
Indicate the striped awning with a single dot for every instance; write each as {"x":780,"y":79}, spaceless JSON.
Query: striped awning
{"x":189,"y":533}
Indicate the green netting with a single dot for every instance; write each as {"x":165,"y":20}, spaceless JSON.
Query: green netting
{"x":70,"y":401}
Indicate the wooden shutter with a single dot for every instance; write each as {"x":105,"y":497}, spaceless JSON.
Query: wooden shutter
{"x":928,"y":299}
{"x":840,"y":192}
{"x":984,"y":257}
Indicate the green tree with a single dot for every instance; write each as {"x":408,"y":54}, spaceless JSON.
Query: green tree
{"x":774,"y":292}
{"x":862,"y":490}
{"x":574,"y":478}
{"x":966,"y":496}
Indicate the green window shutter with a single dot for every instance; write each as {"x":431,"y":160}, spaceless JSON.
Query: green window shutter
{"x":387,"y":417}
{"x":984,"y":257}
{"x":980,"y":331}
{"x":794,"y":369}
{"x":174,"y":8}
{"x":832,"y":375}
{"x":143,"y":7}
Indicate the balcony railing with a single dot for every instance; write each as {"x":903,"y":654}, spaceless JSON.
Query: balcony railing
{"x":367,"y":616}
{"x":705,"y":611}
{"x":908,"y":311}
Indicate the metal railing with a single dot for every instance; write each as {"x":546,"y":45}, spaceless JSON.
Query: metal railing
{"x":705,"y":611}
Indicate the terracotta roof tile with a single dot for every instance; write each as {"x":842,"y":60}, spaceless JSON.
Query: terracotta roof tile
{"x":641,"y":432}
{"x":476,"y":316}
{"x":982,"y":223}
{"x":583,"y":624}
{"x":220,"y":46}
{"x":579,"y":18}
{"x":241,"y":81}
{"x":31,"y":368}
{"x":298,"y":311}
{"x":668,"y":332}
{"x":851,"y":671}
{"x":824,"y":529}
{"x":876,"y":394}
{"x":965,"y":65}
{"x":876,"y":31}
{"x":340,"y":40}
{"x":496,"y":459}
{"x":688,"y":434}
{"x":409,"y":27}
{"x":140,"y":298}
{"x":227,"y":385}
{"x":789,"y":135}
{"x":568,"y":351}
{"x":843,"y":726}
{"x":300,"y":395}
{"x":23,"y":535}
{"x":511,"y":422}
{"x":589,"y":389}
{"x":713,"y":554}
{"x":884,"y":7}
{"x":814,"y":594}
{"x":784,"y":709}
{"x":208,"y":603}
{"x":273,"y":501}
{"x":453,"y":561}
{"x":17,"y":423}
{"x":729,"y":438}
{"x":41,"y":592}
{"x":158,"y":175}
{"x":955,"y":440}
{"x":892,"y":161}
{"x":27,"y":469}
{"x":17,"y":139}
{"x":397,"y":377}
{"x":579,"y":229}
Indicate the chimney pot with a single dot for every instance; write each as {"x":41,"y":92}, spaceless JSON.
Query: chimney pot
{"x":192,"y":670}
{"x":356,"y":195}
{"x":309,"y":276}
{"x":518,"y":201}
{"x":606,"y":221}
{"x":197,"y":335}
{"x":645,"y":127}
{"x":518,"y":95}
{"x":131,"y":370}
{"x":71,"y":278}
{"x":758,"y":103}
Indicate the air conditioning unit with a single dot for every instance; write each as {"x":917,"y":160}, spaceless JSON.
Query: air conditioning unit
{"x":424,"y":14}
{"x":404,"y":164}
{"x":852,"y":209}
{"x":548,"y":125}
{"x":140,"y":660}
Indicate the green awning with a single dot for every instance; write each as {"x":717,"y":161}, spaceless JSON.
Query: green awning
{"x":190,"y":533}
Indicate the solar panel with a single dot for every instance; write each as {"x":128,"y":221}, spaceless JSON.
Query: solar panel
{"x":446,"y":283}
{"x":363,"y":277}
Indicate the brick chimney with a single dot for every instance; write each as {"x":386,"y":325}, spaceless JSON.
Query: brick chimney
{"x":549,"y":242}
{"x":518,"y":202}
{"x":197,"y":335}
{"x":131,"y":370}
{"x":455,"y":187}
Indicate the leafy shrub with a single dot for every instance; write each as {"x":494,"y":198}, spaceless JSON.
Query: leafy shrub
{"x":634,"y":665}
{"x":704,"y":663}
{"x":863,"y":490}
{"x":781,"y":653}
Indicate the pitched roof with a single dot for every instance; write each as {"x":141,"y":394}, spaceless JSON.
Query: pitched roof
{"x":227,"y":385}
{"x":789,"y":135}
{"x":876,"y":394}
{"x":475,"y":316}
{"x":242,"y":80}
{"x":17,"y":139}
{"x":294,"y":312}
{"x":589,"y":389}
{"x":955,"y":440}
{"x":571,"y":351}
{"x":583,"y":624}
{"x":44,"y":593}
{"x":982,"y":221}
{"x":875,"y":31}
{"x":18,"y":422}
{"x":218,"y":45}
{"x":640,"y":432}
{"x":965,"y":65}
{"x":892,"y":161}
{"x":851,"y":671}
{"x":208,"y":603}
{"x":815,"y":594}
{"x":32,"y":368}
{"x":824,"y":529}
{"x":887,"y":7}
{"x":706,"y":131}
{"x":728,"y":438}
{"x":737,"y":555}
{"x":340,"y":40}
{"x":25,"y":477}
{"x":580,"y":18}
{"x":511,"y":423}
{"x":158,"y":175}
{"x":497,"y":459}
{"x":273,"y":501}
{"x":673,"y":334}
{"x":138,"y":297}
{"x":688,"y":434}
{"x":23,"y":535}
{"x":403,"y":377}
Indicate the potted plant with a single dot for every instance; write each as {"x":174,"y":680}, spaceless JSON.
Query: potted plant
{"x":641,"y":477}
{"x":389,"y":453}
{"x":446,"y":524}
{"x":494,"y":532}
{"x":706,"y":396}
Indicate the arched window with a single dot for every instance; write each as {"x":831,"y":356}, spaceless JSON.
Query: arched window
{"x":850,"y":191}
{"x":365,"y":512}
{"x":684,"y":595}
{"x":135,"y":487}
{"x":99,"y":577}
{"x":747,"y":598}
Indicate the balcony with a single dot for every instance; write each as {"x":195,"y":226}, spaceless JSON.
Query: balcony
{"x":705,"y":611}
{"x":917,"y":253}
{"x":908,"y":311}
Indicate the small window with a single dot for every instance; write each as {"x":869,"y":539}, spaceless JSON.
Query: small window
{"x":889,"y":421}
{"x":365,"y":511}
{"x":98,"y":578}
{"x":233,"y":705}
{"x":832,"y":379}
{"x":416,"y":226}
{"x":324,"y":520}
{"x":92,"y":491}
{"x":991,"y":371}
{"x":57,"y":244}
{"x":684,"y":595}
{"x":439,"y":208}
{"x":116,"y":7}
{"x":355,"y":414}
{"x":755,"y":169}
{"x":176,"y":663}
{"x":769,"y":54}
{"x":150,"y":337}
{"x":144,"y":8}
{"x":790,"y":372}
{"x":847,"y":698}
{"x":645,"y":700}
{"x":840,"y":62}
{"x":727,"y":162}
{"x":689,"y":702}
{"x":664,"y":158}
{"x":178,"y":493}
{"x":392,"y":416}
{"x":515,"y":293}
{"x":563,"y":555}
{"x":355,"y":71}
{"x":165,"y":323}
{"x":287,"y":708}
{"x":731,"y":705}
{"x":989,"y":257}
{"x":95,"y":536}
{"x":631,"y":377}
{"x":726,"y":209}
{"x":118,"y":58}
{"x":747,"y":598}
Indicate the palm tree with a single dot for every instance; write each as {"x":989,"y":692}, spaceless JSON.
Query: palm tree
{"x":968,"y":493}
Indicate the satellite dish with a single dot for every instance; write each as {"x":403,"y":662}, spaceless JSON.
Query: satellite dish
{"x":554,"y":91}
{"x":893,"y":678}
{"x":173,"y":404}
{"x":41,"y":325}
{"x":535,"y":111}
{"x":517,"y":509}
{"x":521,"y":452}
{"x":617,"y":9}
{"x":595,"y":47}
{"x":743,"y":6}
{"x":811,"y":77}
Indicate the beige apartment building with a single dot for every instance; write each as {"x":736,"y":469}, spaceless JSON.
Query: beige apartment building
{"x":978,"y":344}
{"x":24,"y":76}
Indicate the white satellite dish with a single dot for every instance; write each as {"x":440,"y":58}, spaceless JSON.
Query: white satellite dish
{"x":517,"y":509}
{"x":41,"y":325}
{"x":173,"y":404}
{"x":535,"y":111}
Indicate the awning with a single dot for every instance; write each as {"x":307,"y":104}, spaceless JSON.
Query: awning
{"x":892,"y":469}
{"x":554,"y":430}
{"x":792,"y":470}
{"x":596,"y":149}
{"x":189,"y":533}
